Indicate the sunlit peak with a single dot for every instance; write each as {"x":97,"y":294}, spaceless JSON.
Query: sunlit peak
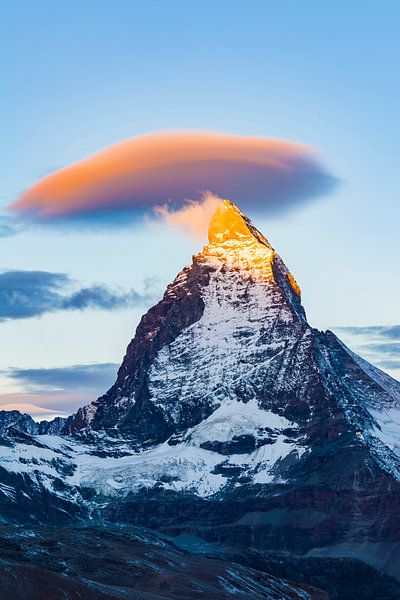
{"x":233,"y":237}
{"x":227,"y":223}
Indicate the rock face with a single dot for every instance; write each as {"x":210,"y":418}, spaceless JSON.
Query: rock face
{"x":233,"y":419}
{"x":14,"y":421}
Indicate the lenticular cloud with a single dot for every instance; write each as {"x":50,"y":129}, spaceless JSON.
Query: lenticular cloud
{"x":140,"y":173}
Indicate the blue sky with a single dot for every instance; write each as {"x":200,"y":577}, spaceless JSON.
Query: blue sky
{"x":78,"y":76}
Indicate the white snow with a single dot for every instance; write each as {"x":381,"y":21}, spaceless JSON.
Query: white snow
{"x":234,"y":418}
{"x":388,"y":432}
{"x":226,"y":352}
{"x":184,"y":466}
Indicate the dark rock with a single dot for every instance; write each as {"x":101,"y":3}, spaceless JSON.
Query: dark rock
{"x":106,"y":563}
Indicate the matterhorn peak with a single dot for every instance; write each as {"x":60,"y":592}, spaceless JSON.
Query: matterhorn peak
{"x":236,"y":242}
{"x":229,"y":223}
{"x":236,"y":304}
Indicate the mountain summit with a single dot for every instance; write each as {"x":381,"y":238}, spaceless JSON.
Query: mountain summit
{"x":233,"y":419}
{"x":218,"y":334}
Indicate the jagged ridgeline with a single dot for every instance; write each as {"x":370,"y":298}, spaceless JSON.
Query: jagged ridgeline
{"x":231,"y":419}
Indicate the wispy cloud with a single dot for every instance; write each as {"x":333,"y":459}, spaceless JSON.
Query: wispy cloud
{"x":25,"y":294}
{"x":45,"y":393}
{"x":140,"y":173}
{"x":388,"y":348}
{"x":385,"y":331}
{"x":96,"y":376}
{"x":378,"y":344}
{"x":8,"y":226}
{"x":193,"y":218}
{"x":19,"y":403}
{"x":45,"y":405}
{"x":390,"y":365}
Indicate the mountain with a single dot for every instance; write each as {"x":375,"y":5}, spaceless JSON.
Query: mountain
{"x":13,"y":420}
{"x":217,"y":336}
{"x":232,"y":420}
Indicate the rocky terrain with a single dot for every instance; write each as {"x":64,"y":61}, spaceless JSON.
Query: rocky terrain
{"x":234,"y":421}
{"x":134,"y":564}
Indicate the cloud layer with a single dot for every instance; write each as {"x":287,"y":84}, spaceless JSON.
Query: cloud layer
{"x":86,"y":377}
{"x":46,"y":393}
{"x":140,"y":173}
{"x":25,"y":294}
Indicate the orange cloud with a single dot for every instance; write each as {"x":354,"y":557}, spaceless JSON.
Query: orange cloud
{"x":143,"y":172}
{"x":193,"y":218}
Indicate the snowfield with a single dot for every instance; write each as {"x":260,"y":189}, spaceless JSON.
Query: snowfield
{"x":181,"y":466}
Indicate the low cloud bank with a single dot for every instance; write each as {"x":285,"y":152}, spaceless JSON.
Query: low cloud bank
{"x":58,"y":391}
{"x":97,"y":376}
{"x":25,"y":294}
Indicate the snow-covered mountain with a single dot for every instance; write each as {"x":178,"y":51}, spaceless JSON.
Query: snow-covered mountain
{"x":231,"y":418}
{"x":225,"y":372}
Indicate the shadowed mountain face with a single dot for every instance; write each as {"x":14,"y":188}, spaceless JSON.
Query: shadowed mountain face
{"x":232,"y":419}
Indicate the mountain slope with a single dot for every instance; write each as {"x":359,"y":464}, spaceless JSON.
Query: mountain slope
{"x":138,"y":564}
